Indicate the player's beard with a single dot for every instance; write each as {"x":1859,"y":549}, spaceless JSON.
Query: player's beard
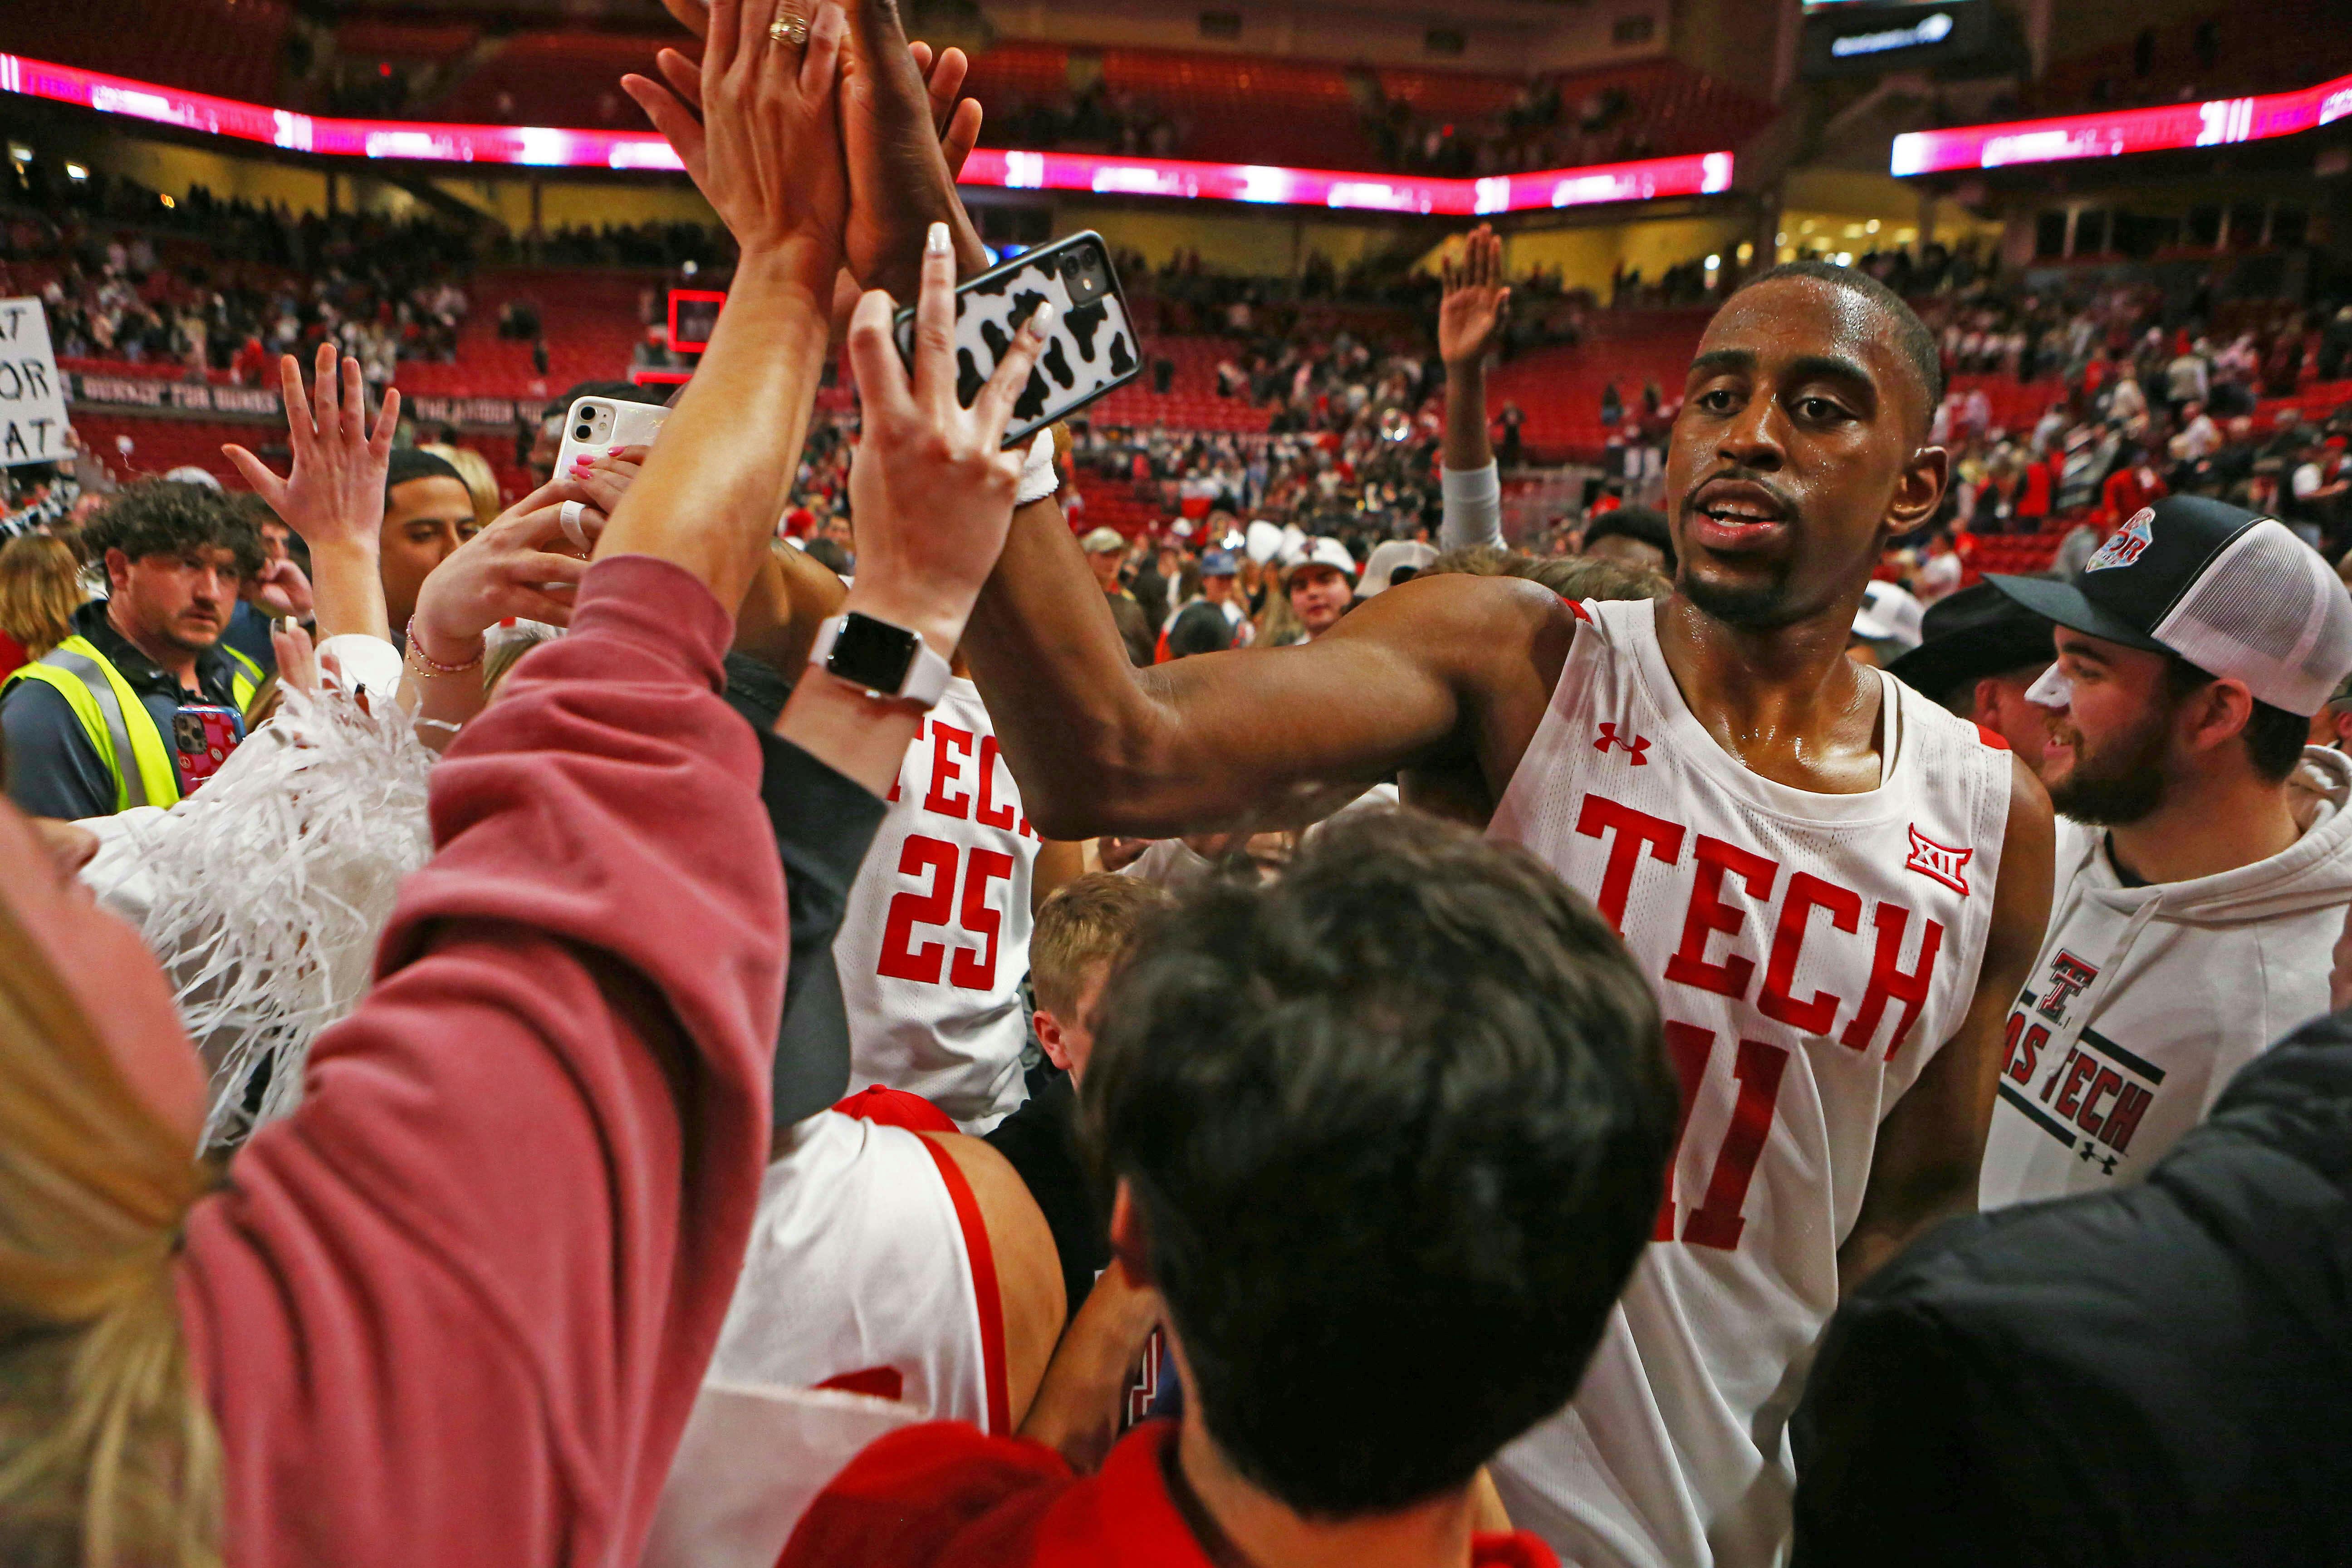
{"x":1750,"y":606}
{"x":2122,"y":781}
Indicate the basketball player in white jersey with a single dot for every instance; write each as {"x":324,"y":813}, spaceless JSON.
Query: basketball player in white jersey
{"x":1835,"y":886}
{"x":935,"y":940}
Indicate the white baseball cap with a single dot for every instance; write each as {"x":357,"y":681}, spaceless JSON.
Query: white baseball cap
{"x":2234,"y":593}
{"x":1323,"y":552}
{"x":1391,"y":557}
{"x":1890,"y":614}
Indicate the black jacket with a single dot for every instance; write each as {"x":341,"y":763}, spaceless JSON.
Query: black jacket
{"x":2157,"y":1376}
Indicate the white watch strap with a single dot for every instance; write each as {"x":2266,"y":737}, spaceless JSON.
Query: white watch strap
{"x":927,"y":674}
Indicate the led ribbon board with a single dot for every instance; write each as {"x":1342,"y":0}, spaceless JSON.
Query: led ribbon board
{"x":546,"y":147}
{"x":2213,"y":123}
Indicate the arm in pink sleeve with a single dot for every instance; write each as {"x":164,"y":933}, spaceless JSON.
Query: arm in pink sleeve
{"x":455,"y":1309}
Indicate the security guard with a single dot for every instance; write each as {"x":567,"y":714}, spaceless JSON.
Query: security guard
{"x":142,"y":703}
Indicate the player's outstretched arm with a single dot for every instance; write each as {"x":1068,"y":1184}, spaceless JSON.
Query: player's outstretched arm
{"x":1427,"y":673}
{"x":1931,"y":1146}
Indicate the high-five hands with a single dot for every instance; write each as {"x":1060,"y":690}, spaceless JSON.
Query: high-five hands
{"x":767,"y":152}
{"x":905,"y":134}
{"x":931,"y":487}
{"x":1477,"y":301}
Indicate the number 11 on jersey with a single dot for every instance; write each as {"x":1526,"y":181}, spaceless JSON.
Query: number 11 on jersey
{"x":1757,"y":1068}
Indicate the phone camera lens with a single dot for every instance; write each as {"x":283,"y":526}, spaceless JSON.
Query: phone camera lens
{"x":583,"y":433}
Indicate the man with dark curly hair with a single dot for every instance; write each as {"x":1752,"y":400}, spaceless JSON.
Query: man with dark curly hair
{"x":142,"y":703}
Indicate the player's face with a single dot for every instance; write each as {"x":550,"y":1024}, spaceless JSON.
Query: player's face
{"x":2105,"y":759}
{"x":1796,"y":453}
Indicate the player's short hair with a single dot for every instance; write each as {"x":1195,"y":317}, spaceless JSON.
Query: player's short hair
{"x":1911,"y":334}
{"x":1088,"y":921}
{"x":1582,"y":577}
{"x":1397,"y":1125}
{"x":1642,"y":524}
{"x":165,"y":517}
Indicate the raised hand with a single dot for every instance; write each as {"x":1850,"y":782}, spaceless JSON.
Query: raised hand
{"x":767,"y":154}
{"x":522,"y":565}
{"x":335,"y":493}
{"x":1478,"y":301}
{"x":932,"y":485}
{"x":956,"y":122}
{"x":899,"y":181}
{"x":334,"y":496}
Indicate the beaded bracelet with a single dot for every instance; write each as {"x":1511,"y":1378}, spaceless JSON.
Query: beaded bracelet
{"x":427,"y":665}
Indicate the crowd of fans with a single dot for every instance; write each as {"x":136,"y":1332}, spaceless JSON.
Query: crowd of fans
{"x":264,"y":280}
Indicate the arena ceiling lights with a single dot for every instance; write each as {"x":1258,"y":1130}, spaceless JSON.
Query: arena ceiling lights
{"x":2213,"y":123}
{"x":541,"y":147}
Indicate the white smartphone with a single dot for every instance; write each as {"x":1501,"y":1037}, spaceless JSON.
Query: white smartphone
{"x":1091,"y":350}
{"x":596,"y":425}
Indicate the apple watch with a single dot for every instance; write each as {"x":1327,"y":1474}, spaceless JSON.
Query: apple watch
{"x":887,"y":660}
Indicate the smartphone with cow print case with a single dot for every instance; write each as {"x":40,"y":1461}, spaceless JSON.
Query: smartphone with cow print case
{"x":1091,"y":350}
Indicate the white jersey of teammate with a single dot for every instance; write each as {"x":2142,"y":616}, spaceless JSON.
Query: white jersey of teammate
{"x":860,"y":1307}
{"x":935,"y":942}
{"x":1811,"y":953}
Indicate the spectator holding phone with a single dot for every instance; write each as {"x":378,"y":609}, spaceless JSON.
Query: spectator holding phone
{"x":528,"y":1162}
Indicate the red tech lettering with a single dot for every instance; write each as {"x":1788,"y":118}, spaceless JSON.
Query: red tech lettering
{"x":1600,"y":817}
{"x":1806,"y":893}
{"x":1889,"y":983}
{"x":2089,"y":1119}
{"x":983,"y":812}
{"x":2124,"y":1120}
{"x":1708,"y":914}
{"x":947,"y":738}
{"x":2079,"y":1070}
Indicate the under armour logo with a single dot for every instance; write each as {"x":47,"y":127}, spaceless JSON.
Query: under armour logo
{"x":2068,"y":975}
{"x":1938,"y":862}
{"x":1634,"y":748}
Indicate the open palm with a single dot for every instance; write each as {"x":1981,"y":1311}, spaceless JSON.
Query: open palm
{"x":1477,"y":300}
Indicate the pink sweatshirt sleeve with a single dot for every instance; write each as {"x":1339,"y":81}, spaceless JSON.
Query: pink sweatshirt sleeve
{"x":455,"y":1309}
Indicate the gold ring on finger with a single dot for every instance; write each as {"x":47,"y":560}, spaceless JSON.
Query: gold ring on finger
{"x":789,"y":30}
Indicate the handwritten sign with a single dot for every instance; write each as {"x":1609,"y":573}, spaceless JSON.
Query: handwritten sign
{"x":32,"y":398}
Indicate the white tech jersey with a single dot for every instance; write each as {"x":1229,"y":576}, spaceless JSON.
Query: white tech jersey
{"x":1811,"y":953}
{"x":935,"y":940}
{"x":859,"y":1274}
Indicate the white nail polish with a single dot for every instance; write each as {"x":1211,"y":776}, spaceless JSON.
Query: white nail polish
{"x":936,"y":242}
{"x":1043,"y":320}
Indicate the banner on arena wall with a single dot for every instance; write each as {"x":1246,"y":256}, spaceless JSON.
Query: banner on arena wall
{"x":32,"y":398}
{"x":555,"y":147}
{"x":133,"y":391}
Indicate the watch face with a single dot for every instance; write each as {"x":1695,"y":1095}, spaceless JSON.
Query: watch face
{"x":873,"y":654}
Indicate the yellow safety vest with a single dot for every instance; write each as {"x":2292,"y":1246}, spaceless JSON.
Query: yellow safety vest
{"x":118,"y":722}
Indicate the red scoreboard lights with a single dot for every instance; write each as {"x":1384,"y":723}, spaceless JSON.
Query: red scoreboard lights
{"x":2213,"y":123}
{"x":549,"y":147}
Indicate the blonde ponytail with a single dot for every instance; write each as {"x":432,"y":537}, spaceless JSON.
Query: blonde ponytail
{"x":107,"y":1454}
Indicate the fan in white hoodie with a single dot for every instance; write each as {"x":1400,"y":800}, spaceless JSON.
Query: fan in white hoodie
{"x":2145,"y":1000}
{"x":2195,"y":927}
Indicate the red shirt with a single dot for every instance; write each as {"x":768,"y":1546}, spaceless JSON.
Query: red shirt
{"x":944,"y":1493}
{"x":2125,"y":492}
